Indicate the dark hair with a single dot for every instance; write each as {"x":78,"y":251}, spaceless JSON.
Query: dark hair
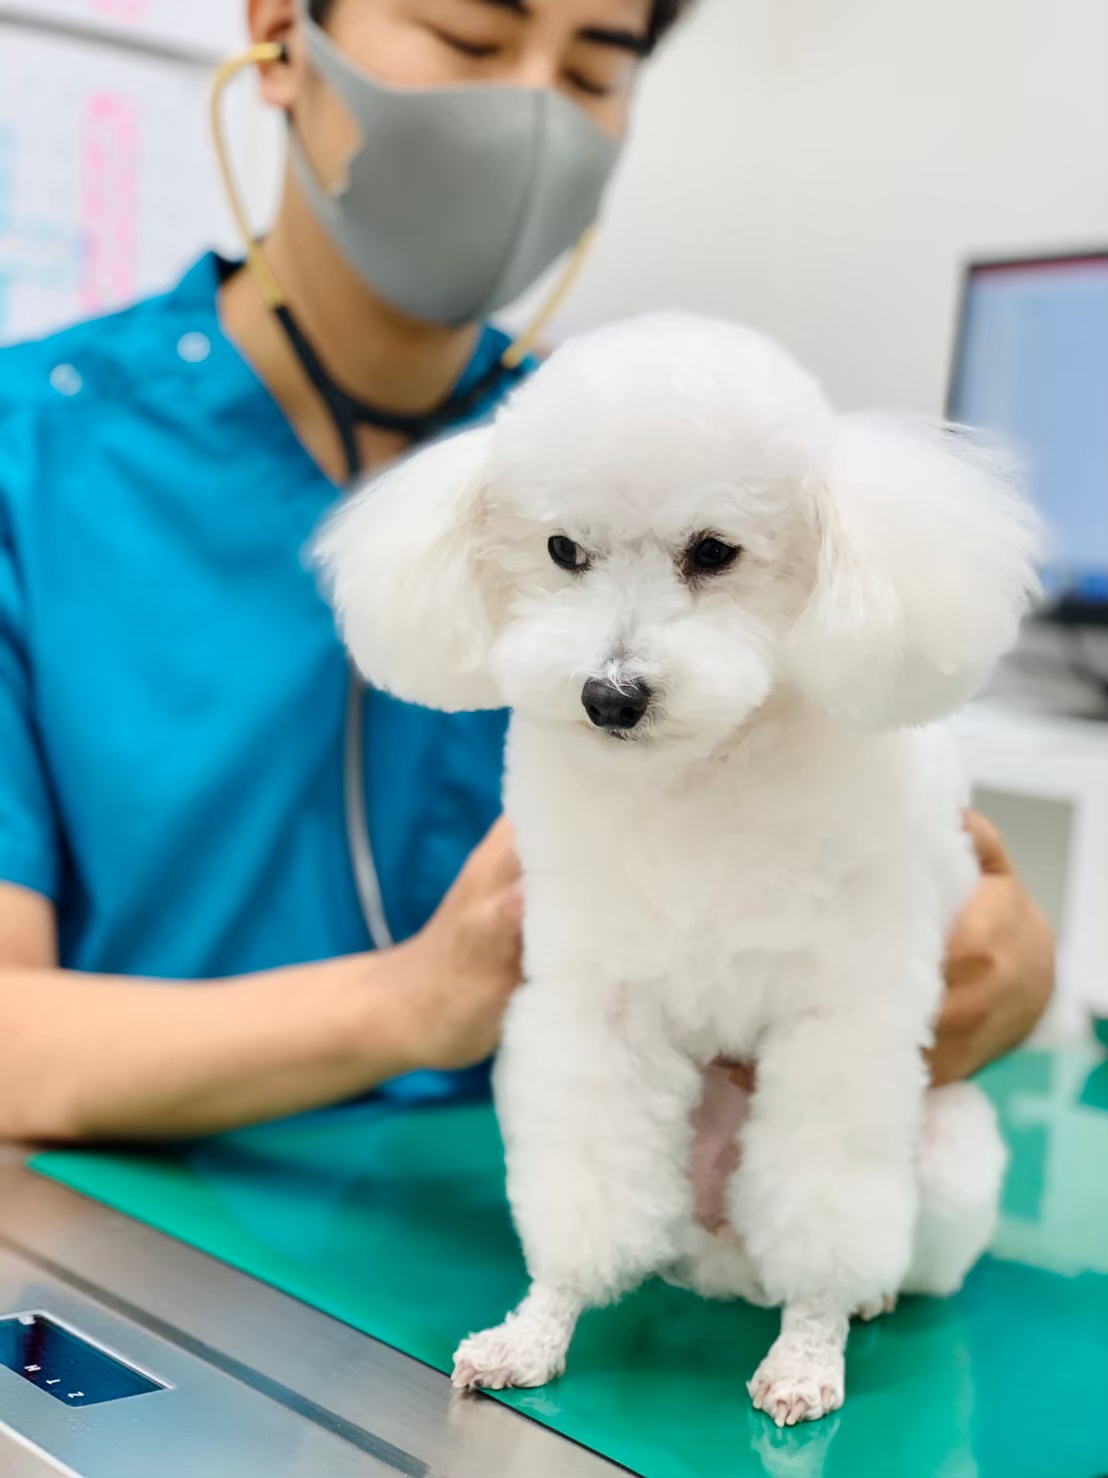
{"x":663,"y":14}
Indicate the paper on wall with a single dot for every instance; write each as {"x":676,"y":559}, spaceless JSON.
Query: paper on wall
{"x":108,"y":185}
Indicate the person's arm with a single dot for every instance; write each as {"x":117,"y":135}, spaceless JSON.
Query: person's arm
{"x":99,"y":1057}
{"x":999,"y":967}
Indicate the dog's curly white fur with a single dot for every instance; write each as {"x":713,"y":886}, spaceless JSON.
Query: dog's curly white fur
{"x":764,"y":868}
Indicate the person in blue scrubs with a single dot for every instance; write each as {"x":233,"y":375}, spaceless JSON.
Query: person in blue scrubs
{"x":182,"y":946}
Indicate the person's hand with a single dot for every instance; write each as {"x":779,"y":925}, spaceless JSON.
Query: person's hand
{"x":464,"y":965}
{"x":999,"y":966}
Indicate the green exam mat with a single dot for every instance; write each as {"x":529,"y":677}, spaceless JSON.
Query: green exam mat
{"x":394,"y":1221}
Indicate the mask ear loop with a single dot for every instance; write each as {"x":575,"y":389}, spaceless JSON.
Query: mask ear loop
{"x":272,"y":291}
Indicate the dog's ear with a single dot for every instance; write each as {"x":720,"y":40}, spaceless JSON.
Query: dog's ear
{"x":403,"y":566}
{"x":926,"y":564}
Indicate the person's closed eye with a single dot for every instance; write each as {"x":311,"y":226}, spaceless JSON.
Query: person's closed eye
{"x":479,"y":50}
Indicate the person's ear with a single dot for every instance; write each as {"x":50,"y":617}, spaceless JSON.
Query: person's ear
{"x":275,"y":22}
{"x":414,"y":591}
{"x":926,"y":565}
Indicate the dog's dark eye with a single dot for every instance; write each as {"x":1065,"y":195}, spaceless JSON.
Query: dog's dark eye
{"x":707,"y":555}
{"x":566,"y":553}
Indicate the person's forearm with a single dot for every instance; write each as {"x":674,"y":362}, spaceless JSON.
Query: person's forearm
{"x":97,"y":1057}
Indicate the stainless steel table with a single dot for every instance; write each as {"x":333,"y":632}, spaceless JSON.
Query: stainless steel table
{"x":255,"y":1383}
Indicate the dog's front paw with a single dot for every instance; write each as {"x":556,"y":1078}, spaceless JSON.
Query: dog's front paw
{"x":794,"y":1385}
{"x":515,"y":1353}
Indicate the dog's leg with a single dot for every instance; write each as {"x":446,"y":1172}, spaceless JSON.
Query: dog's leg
{"x":961,"y":1171}
{"x":528,"y":1349}
{"x":802,"y":1376}
{"x":596,"y":1124}
{"x":825,"y":1196}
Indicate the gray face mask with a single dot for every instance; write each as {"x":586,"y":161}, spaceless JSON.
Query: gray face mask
{"x":457,"y":198}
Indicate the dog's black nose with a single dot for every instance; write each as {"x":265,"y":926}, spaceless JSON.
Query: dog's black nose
{"x":615,"y":707}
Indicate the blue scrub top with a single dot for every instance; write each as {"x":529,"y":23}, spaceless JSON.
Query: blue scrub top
{"x":172,"y":691}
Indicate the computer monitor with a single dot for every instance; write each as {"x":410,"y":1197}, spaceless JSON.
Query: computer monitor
{"x":1031,"y":366}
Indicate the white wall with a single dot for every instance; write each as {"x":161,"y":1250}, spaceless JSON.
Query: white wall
{"x":822,"y":167}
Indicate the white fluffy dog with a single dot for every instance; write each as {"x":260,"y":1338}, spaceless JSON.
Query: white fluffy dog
{"x":719,"y":613}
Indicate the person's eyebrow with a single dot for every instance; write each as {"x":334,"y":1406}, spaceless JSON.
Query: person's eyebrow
{"x":630,"y":41}
{"x":519,"y":7}
{"x":601,"y":36}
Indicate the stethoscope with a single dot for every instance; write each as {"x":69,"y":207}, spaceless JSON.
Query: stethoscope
{"x":347,"y":413}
